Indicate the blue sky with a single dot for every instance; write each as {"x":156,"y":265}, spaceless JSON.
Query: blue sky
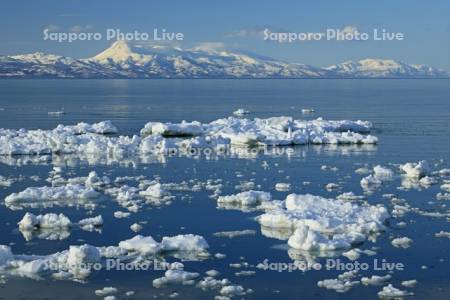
{"x":234,"y":24}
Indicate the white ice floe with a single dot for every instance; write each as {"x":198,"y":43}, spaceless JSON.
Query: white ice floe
{"x":282,"y":187}
{"x":307,"y":110}
{"x":416,"y":170}
{"x":71,"y":264}
{"x":173,"y":130}
{"x":352,"y":254}
{"x":383,"y":173}
{"x":67,"y":264}
{"x":355,"y":253}
{"x":232,"y":290}
{"x":402,"y":242}
{"x":211,"y":283}
{"x":212,"y":273}
{"x":248,"y":198}
{"x":306,"y":239}
{"x":362,"y":171}
{"x":443,"y":172}
{"x":331,"y":186}
{"x":31,"y":221}
{"x":136,"y":227}
{"x":91,"y":139}
{"x":446,"y":187}
{"x":409,"y":283}
{"x":390,"y":292}
{"x":186,"y":242}
{"x":375,"y":280}
{"x":176,"y":277}
{"x":442,"y":234}
{"x":5,"y":182}
{"x":41,"y":195}
{"x":370,"y":183}
{"x":342,"y":284}
{"x":146,"y":245}
{"x":121,"y":214}
{"x":106,"y":291}
{"x":90,"y":224}
{"x":56,"y":113}
{"x":324,"y":223}
{"x":349,"y":196}
{"x":244,"y":273}
{"x":155,"y":190}
{"x":235,"y":233}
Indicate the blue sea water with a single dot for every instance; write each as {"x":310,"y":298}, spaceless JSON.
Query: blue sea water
{"x":411,"y":120}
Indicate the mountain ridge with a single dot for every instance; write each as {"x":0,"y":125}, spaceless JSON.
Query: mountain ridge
{"x":124,"y":60}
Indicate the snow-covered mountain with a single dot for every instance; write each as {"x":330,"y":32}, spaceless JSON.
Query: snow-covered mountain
{"x":123,"y":60}
{"x":385,"y":68}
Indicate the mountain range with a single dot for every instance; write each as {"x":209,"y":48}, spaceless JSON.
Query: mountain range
{"x":123,"y":60}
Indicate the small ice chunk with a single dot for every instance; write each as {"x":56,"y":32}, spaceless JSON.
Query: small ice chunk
{"x":338,"y":285}
{"x":306,"y":239}
{"x":352,"y":254}
{"x":212,"y":273}
{"x":331,"y":186}
{"x":232,"y":290}
{"x":375,"y":280}
{"x":446,"y":187}
{"x":402,"y":242}
{"x":5,"y":254}
{"x":370,"y":182}
{"x":89,"y":224}
{"x":391,"y":292}
{"x":245,"y":273}
{"x":409,"y":283}
{"x":442,"y":234}
{"x":121,"y":214}
{"x":106,"y":291}
{"x":154,"y":191}
{"x":362,"y":171}
{"x":282,"y":187}
{"x":5,"y":182}
{"x":187,"y":242}
{"x":136,"y":227}
{"x":383,"y":173}
{"x":143,"y":245}
{"x":67,"y":192}
{"x":175,"y":276}
{"x":235,"y":233}
{"x":56,"y":113}
{"x":51,"y":220}
{"x":247,"y":198}
{"x":183,"y":129}
{"x":416,"y":170}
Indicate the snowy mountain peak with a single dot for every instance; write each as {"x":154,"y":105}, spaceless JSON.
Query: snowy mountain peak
{"x":120,"y":51}
{"x":374,"y":67}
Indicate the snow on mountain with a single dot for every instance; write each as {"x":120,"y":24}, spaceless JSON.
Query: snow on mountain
{"x":199,"y":62}
{"x":383,"y":68}
{"x":123,"y":60}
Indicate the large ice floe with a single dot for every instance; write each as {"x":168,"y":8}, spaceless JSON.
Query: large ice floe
{"x":77,"y":262}
{"x":102,"y":138}
{"x":321,"y":224}
{"x":86,"y":192}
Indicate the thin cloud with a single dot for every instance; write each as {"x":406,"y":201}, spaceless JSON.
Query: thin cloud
{"x":253,"y":32}
{"x":52,"y":27}
{"x":70,"y":15}
{"x":80,"y":28}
